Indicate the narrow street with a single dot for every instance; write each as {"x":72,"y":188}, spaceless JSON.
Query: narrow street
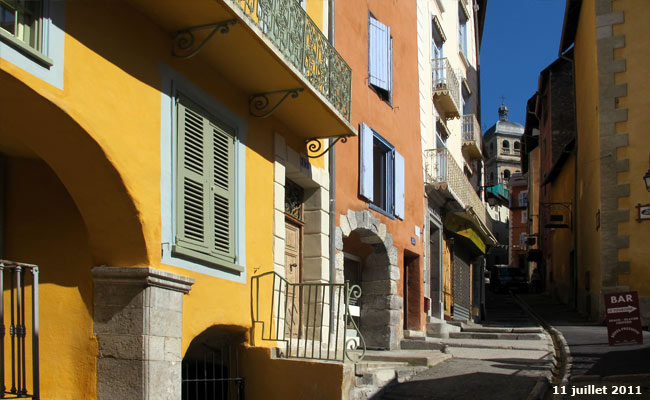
{"x":593,"y":361}
{"x":504,"y":358}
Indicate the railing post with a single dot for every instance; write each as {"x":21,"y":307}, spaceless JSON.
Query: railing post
{"x":35,"y":332}
{"x":12,"y":333}
{"x":2,"y":332}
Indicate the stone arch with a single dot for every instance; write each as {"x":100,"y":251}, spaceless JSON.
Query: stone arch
{"x":34,"y":126}
{"x":381,"y":306}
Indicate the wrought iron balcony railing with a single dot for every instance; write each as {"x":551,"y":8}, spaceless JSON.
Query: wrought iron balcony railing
{"x":442,"y":169}
{"x":20,"y":282}
{"x":472,"y":136}
{"x":446,"y":86}
{"x":300,"y":40}
{"x":306,"y":320}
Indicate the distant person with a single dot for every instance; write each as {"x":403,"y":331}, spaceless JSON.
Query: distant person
{"x":536,"y":281}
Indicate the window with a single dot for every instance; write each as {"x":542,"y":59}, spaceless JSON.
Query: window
{"x":438,"y":39}
{"x":381,"y":173}
{"x":524,"y":216}
{"x":462,"y":30}
{"x":506,"y":145}
{"x":523,"y":199}
{"x":380,"y":59}
{"x":22,"y":20}
{"x":517,"y":146}
{"x":205,"y":182}
{"x":506,"y":175}
{"x":522,"y":239}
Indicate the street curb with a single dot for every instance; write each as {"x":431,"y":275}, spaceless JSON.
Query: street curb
{"x":562,"y":371}
{"x":611,"y":378}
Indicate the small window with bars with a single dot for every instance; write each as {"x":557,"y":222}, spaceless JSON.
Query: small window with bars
{"x":212,"y":373}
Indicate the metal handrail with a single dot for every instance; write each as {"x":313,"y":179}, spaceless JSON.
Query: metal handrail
{"x":309,"y":319}
{"x":300,"y":40}
{"x":444,"y":78}
{"x":18,"y":329}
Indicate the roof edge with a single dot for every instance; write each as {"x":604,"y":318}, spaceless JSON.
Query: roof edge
{"x":570,"y":24}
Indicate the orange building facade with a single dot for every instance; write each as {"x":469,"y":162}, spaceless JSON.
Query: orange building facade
{"x":379,"y":190}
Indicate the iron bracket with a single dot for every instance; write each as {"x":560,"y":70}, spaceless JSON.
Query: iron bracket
{"x":184,"y":39}
{"x":258,"y":104}
{"x":315,"y":145}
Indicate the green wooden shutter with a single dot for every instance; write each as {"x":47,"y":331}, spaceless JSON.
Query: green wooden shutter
{"x":192,"y":182}
{"x":222,"y":219}
{"x":205,"y":215}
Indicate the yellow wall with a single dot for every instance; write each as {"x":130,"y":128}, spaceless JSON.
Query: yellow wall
{"x":637,"y":55}
{"x":562,"y":189}
{"x":272,"y":379}
{"x":62,"y":216}
{"x":588,"y":172}
{"x":43,"y":226}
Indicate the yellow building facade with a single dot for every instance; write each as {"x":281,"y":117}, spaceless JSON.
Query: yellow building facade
{"x":610,"y":39}
{"x":145,"y":171}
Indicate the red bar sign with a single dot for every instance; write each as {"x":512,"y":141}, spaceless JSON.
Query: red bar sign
{"x":623,"y":318}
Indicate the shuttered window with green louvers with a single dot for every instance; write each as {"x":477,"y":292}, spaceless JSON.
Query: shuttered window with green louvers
{"x":205,"y":181}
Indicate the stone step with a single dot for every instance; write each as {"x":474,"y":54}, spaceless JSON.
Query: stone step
{"x":367,"y":366}
{"x":416,"y":358}
{"x":496,"y":336}
{"x":410,"y":344}
{"x":441,"y":329}
{"x":488,"y":329}
{"x":415,"y":335}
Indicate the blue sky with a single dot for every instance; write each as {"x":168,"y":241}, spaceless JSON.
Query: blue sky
{"x":521,"y":37}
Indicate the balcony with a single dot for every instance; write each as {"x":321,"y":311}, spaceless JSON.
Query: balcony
{"x":264,"y":47}
{"x":445,"y":87}
{"x":445,"y":176}
{"x":472,"y":137}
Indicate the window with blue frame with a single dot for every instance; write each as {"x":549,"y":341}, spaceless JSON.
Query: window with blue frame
{"x":381,"y":170}
{"x":380,"y":59}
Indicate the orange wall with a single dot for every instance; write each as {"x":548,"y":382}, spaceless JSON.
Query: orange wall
{"x":398,"y":124}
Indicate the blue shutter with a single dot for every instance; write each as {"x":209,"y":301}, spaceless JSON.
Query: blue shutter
{"x":399,"y":185}
{"x":390,"y":68}
{"x":365,"y":162}
{"x":378,"y":54}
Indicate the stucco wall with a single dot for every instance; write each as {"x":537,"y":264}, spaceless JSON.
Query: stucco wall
{"x":99,"y":201}
{"x":588,"y":172}
{"x":636,"y":54}
{"x":398,"y":124}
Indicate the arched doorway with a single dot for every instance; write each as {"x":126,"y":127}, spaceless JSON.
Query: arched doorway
{"x":366,"y":247}
{"x":67,"y":210}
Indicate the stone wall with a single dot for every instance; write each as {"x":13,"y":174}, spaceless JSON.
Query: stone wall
{"x":138,"y":321}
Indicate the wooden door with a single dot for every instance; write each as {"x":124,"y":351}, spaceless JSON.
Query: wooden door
{"x":292,"y":265}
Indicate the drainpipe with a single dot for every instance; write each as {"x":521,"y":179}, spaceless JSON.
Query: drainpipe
{"x":332,"y":159}
{"x":332,"y":174}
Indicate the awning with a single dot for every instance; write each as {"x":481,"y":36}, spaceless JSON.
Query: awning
{"x":455,"y":223}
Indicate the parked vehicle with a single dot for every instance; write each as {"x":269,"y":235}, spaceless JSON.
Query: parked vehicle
{"x":506,"y":278}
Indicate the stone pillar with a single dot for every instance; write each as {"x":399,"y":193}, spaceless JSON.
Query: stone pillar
{"x":138,"y":321}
